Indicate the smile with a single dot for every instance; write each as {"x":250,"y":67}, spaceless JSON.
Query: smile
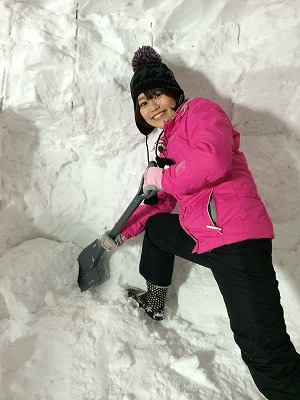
{"x":158,"y":116}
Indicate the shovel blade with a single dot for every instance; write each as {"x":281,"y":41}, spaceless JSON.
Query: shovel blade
{"x":89,"y":268}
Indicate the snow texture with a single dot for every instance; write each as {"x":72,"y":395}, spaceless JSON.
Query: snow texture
{"x":71,"y":159}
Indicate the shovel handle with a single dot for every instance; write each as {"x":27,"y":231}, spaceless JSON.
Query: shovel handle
{"x":136,"y":201}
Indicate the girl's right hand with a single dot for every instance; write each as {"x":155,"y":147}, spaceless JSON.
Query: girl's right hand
{"x":109,"y":243}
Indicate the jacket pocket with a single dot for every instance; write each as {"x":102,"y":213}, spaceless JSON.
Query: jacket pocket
{"x":212,"y":214}
{"x":211,"y":209}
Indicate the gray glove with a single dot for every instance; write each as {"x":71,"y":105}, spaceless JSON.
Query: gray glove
{"x":108,"y":243}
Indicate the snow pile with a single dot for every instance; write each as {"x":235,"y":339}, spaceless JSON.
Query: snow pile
{"x":71,"y":159}
{"x":35,"y":271}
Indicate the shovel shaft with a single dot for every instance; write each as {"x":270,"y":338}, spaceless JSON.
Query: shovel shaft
{"x":136,"y":201}
{"x":116,"y":230}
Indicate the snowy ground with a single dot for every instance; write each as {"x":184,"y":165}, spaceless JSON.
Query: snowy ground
{"x":71,"y":160}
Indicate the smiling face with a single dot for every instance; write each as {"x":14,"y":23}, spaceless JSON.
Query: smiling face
{"x":157,"y":108}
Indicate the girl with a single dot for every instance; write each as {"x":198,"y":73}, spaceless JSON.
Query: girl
{"x":222,"y":222}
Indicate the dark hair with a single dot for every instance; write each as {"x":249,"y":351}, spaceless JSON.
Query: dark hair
{"x":150,"y":93}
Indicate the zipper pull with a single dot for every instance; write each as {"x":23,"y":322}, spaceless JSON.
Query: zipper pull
{"x":216,"y":228}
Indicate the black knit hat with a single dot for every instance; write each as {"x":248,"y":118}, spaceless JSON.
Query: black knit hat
{"x":150,"y":73}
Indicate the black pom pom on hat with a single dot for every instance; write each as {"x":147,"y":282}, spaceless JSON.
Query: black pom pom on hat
{"x":151,"y":73}
{"x":144,"y":55}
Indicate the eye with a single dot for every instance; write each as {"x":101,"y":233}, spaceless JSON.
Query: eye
{"x":143,"y":104}
{"x":157,"y":95}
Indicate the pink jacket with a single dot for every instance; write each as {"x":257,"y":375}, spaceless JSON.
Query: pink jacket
{"x":210,"y":180}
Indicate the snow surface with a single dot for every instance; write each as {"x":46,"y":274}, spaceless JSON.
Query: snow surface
{"x":71,"y":159}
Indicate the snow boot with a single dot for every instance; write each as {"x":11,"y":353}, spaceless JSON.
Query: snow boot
{"x":152,"y":301}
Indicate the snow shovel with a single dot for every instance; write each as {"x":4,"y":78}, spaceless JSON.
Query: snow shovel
{"x":90,"y":270}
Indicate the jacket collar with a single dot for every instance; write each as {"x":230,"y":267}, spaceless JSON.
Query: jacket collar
{"x":183,"y":108}
{"x":177,"y":116}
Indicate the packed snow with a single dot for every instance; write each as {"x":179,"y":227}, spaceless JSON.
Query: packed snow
{"x":71,"y":159}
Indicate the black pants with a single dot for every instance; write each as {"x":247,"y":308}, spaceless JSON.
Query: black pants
{"x":247,"y":281}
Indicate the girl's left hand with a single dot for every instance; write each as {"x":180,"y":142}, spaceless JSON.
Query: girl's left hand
{"x":152,"y":179}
